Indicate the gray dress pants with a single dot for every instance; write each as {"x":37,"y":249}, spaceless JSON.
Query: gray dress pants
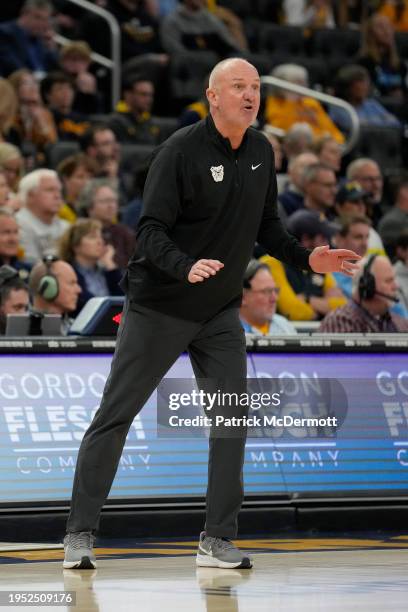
{"x":147,"y":346}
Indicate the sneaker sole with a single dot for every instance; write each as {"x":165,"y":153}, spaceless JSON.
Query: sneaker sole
{"x":84,"y":564}
{"x":207,"y":561}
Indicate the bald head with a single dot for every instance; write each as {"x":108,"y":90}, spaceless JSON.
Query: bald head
{"x":234,"y":96}
{"x":226,"y":68}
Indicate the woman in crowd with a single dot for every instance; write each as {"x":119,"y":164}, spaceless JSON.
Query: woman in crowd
{"x":380,"y":57}
{"x":8,"y":109}
{"x":74,"y":171}
{"x":84,"y":248}
{"x":99,"y":200}
{"x":12,"y":164}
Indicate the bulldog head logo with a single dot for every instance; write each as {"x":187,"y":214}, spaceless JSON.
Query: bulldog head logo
{"x":217,"y":173}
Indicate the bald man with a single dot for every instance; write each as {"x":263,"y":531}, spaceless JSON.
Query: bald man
{"x":210,"y":194}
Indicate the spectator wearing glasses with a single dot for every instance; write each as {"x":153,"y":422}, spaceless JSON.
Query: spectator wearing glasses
{"x":396,"y":219}
{"x":305,"y":296}
{"x":351,"y":201}
{"x":100,"y":201}
{"x":259,"y":301}
{"x":367,"y":172}
{"x":136,"y":125}
{"x":320,"y":186}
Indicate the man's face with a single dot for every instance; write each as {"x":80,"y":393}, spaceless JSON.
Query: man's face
{"x":75,"y":64}
{"x":74,"y":184}
{"x":105,"y":145}
{"x":69,"y":288}
{"x":235,"y":96}
{"x":29,"y":98}
{"x":385,"y":281}
{"x":330,"y":155}
{"x":300,"y":164}
{"x":140,"y":98}
{"x":322,"y":189}
{"x":16,"y":302}
{"x":356,"y":239}
{"x":105,"y":205}
{"x":47,"y":197}
{"x":61,"y":97}
{"x":9,"y":237}
{"x":261,"y":299}
{"x":37,"y":21}
{"x":354,"y":208}
{"x":370,"y":179}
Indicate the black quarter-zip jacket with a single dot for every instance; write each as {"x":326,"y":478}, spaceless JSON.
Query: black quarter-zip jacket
{"x":205,"y":200}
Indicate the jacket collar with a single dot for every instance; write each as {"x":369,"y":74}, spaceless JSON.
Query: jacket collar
{"x":219,"y":139}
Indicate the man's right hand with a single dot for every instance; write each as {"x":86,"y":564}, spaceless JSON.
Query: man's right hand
{"x":204,"y":268}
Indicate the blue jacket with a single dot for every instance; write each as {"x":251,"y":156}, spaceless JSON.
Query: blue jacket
{"x":15,"y":51}
{"x":112,"y":280}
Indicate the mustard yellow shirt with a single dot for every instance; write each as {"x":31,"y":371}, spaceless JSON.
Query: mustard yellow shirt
{"x":289,"y":304}
{"x":282,"y":113}
{"x":389,"y":10}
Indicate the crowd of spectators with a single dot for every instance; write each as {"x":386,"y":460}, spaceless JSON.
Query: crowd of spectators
{"x":72,"y":164}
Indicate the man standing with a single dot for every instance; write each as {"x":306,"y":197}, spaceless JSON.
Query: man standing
{"x":210,"y":193}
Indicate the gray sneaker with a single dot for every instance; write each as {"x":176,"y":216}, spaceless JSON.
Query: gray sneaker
{"x":78,"y":550}
{"x":220,"y":552}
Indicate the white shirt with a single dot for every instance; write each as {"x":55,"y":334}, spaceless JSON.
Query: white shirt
{"x":38,"y":238}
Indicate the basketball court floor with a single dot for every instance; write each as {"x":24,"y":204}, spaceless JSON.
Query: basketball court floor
{"x":359,"y":572}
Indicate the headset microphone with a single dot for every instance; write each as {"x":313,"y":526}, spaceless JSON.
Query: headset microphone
{"x":388,"y":297}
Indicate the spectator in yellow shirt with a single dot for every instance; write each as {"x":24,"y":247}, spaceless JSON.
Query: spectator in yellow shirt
{"x":397,"y":13}
{"x":305,"y":296}
{"x":283,"y":109}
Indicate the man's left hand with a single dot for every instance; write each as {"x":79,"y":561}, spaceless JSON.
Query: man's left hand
{"x":323,"y":259}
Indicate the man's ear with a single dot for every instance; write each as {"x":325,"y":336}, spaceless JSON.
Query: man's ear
{"x":244,"y":295}
{"x":212,"y":97}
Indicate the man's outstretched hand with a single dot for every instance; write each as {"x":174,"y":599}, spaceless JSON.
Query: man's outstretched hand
{"x":204,"y":268}
{"x":323,"y":259}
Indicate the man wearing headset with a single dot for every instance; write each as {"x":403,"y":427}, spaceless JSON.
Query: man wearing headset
{"x":374,"y":291}
{"x":54,"y":288}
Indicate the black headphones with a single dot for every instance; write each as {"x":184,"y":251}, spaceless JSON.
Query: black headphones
{"x":48,"y":286}
{"x":366,"y":284}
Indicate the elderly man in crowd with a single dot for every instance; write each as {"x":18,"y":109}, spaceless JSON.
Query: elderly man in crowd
{"x":54,"y":288}
{"x":40,"y":194}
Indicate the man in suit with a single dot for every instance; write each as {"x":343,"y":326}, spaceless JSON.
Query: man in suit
{"x":23,"y":41}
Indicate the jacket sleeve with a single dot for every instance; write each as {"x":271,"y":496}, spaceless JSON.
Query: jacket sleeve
{"x":274,"y":237}
{"x":166,"y":187}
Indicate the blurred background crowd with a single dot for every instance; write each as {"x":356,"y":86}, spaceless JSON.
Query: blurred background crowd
{"x":73,"y":151}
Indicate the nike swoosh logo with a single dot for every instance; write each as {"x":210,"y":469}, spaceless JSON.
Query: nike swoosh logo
{"x":255,"y":167}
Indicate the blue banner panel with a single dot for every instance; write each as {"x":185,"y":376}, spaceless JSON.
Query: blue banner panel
{"x":48,"y":401}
